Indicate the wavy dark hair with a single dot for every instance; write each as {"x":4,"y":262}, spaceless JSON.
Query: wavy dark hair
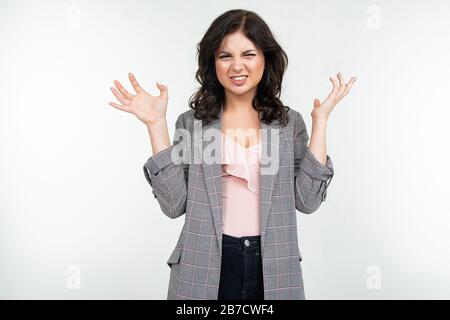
{"x":208,"y":100}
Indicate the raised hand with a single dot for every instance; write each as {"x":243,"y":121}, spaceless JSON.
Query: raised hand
{"x":340,"y":90}
{"x":147,"y":108}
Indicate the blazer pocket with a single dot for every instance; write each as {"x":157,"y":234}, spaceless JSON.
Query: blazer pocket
{"x":174,"y":257}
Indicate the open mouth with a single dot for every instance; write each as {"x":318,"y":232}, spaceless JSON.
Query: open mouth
{"x":240,"y":80}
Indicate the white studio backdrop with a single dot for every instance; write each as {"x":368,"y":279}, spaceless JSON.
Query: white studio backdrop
{"x":77,"y":217}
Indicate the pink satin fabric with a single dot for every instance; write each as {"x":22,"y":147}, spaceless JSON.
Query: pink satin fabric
{"x":240,"y":188}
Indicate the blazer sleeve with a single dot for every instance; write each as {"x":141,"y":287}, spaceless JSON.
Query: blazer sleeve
{"x":168,"y":179}
{"x":311,"y":177}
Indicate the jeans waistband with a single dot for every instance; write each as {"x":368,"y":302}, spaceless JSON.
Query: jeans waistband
{"x":247,"y":242}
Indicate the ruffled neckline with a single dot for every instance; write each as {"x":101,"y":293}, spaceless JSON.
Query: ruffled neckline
{"x":242,"y":162}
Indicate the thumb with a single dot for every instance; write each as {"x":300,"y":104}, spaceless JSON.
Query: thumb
{"x":162,"y":89}
{"x":316,"y":103}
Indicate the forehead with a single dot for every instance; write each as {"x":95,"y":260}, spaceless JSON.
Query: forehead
{"x":236,"y":42}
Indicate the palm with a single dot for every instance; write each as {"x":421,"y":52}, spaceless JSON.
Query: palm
{"x":147,"y":108}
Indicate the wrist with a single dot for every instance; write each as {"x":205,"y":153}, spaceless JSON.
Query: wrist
{"x":156,"y":123}
{"x":320,"y":120}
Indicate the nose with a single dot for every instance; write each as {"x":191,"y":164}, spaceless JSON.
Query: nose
{"x":237,"y":66}
{"x":238,"y":63}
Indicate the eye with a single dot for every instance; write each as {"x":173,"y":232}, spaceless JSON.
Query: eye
{"x":248,"y":54}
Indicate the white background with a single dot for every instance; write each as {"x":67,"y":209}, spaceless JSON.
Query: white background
{"x":77,"y":217}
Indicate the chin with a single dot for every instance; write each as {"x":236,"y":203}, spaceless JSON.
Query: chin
{"x":238,"y":90}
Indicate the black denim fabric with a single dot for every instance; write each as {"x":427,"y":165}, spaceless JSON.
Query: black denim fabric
{"x":241,"y":277}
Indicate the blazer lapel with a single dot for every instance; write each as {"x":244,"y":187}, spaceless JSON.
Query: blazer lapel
{"x":213,"y":173}
{"x":213,"y":178}
{"x":272,"y":139}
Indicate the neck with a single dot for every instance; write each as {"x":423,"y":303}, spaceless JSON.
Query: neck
{"x":239,"y":104}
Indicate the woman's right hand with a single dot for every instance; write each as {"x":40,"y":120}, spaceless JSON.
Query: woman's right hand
{"x":147,"y":108}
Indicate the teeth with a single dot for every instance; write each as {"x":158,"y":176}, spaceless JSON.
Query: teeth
{"x":239,"y":78}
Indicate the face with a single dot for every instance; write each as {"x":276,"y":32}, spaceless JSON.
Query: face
{"x":238,"y":56}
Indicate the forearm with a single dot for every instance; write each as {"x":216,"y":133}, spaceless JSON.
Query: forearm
{"x":159,"y":136}
{"x":317,"y":143}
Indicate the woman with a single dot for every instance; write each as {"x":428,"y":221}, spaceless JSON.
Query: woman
{"x":239,"y":239}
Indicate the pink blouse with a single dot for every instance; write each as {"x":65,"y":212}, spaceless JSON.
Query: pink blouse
{"x":240,"y":188}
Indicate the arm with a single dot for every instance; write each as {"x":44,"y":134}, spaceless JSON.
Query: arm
{"x":159,"y":135}
{"x":311,"y":176}
{"x":313,"y":167}
{"x":318,"y":143}
{"x":167,"y":179}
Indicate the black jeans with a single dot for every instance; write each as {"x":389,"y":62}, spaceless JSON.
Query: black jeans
{"x":241,"y":277}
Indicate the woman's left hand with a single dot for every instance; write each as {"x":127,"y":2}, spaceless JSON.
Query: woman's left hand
{"x":340,"y":90}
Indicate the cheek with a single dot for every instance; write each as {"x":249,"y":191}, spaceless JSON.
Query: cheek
{"x":221,"y":70}
{"x":258,"y":67}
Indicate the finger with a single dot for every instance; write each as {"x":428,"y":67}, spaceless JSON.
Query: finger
{"x":119,"y":107}
{"x":335,"y":84}
{"x":123,"y":91}
{"x":119,"y":97}
{"x":162,"y":89}
{"x":349,"y":86}
{"x":135,"y":84}
{"x":352,"y":80}
{"x":341,"y":80}
{"x":316,"y":103}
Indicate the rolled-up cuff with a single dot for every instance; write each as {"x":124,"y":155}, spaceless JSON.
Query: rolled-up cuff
{"x":316,"y":170}
{"x":159,"y":161}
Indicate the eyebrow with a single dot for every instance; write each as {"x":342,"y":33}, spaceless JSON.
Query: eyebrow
{"x":246,"y":51}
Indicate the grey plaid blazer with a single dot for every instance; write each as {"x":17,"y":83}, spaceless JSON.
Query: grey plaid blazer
{"x":195,"y":190}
